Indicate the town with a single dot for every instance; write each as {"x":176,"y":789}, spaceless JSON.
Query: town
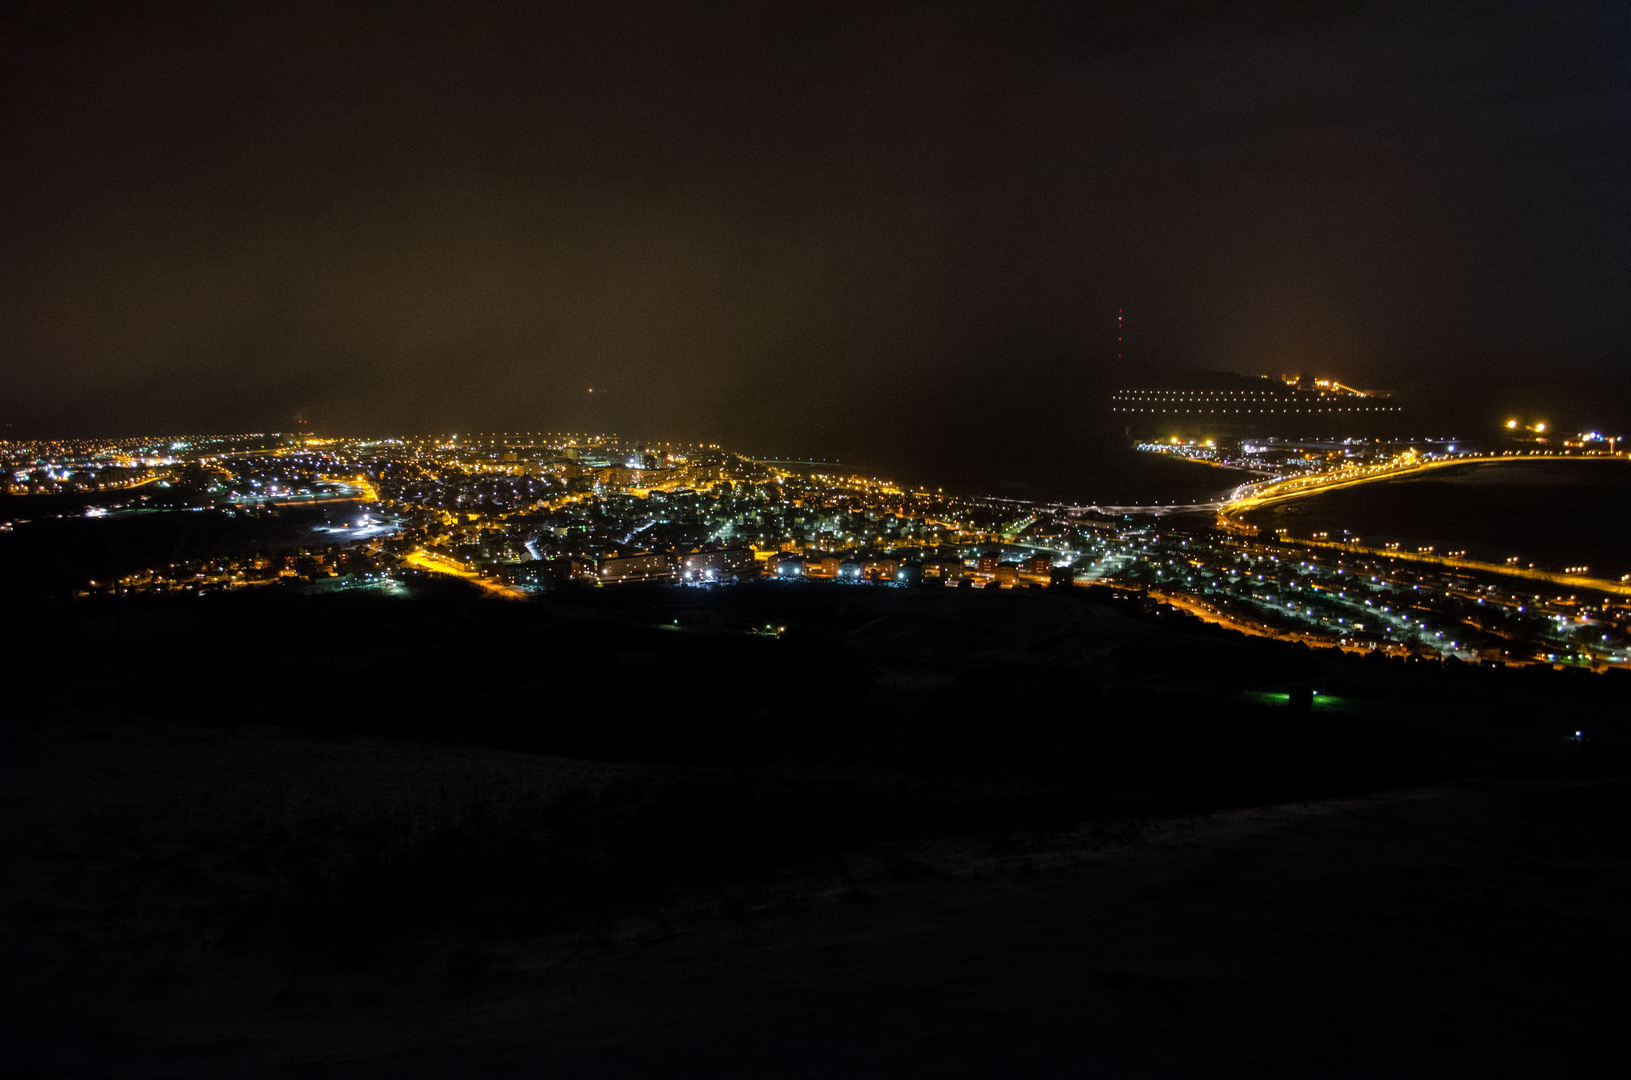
{"x":518,"y":514}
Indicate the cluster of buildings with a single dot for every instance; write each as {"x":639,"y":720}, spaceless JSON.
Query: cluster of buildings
{"x":1366,"y":602}
{"x":317,"y":567}
{"x":522,"y":513}
{"x":77,"y":466}
{"x":722,"y":565}
{"x":947,"y":567}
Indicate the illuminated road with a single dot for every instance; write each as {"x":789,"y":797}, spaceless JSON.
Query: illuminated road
{"x":1577,"y":581}
{"x":1256,"y":496}
{"x":1206,"y":612}
{"x":1160,"y":510}
{"x":442,"y":564}
{"x":1262,"y":493}
{"x":1269,"y":494}
{"x":290,"y":500}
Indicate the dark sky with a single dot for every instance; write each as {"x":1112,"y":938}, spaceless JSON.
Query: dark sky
{"x":801,"y":228}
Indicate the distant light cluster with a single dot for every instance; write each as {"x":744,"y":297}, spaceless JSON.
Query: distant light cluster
{"x":1229,"y":402}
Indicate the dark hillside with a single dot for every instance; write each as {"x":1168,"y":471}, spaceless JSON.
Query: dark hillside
{"x":358,"y":793}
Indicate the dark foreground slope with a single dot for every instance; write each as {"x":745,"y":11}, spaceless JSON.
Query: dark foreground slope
{"x":944,"y":831}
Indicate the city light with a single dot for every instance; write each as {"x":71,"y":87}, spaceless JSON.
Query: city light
{"x":517,"y":514}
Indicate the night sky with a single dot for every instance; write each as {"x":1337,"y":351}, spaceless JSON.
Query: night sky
{"x":803,"y":229}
